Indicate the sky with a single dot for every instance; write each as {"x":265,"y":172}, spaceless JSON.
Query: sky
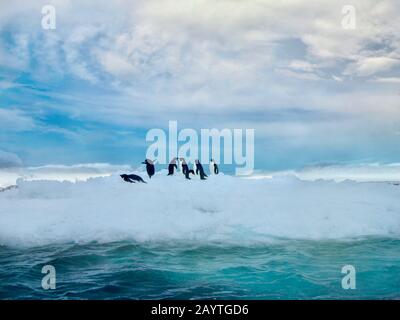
{"x":314,"y":91}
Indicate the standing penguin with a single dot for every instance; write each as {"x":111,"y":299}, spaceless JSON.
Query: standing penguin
{"x":172,"y":165}
{"x":213,"y":167}
{"x":179,"y":168}
{"x":150,"y":168}
{"x":185,"y":168}
{"x":200,"y":170}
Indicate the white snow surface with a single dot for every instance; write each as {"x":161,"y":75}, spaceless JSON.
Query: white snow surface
{"x":223,"y":208}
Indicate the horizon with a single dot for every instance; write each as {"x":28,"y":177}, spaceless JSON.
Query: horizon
{"x":82,"y":172}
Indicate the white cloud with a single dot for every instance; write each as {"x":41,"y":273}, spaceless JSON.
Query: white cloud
{"x":299,"y":75}
{"x":75,"y":55}
{"x":302,"y":66}
{"x":372,"y":65}
{"x":9,"y":160}
{"x":387,"y":80}
{"x":336,"y":78}
{"x":184,"y":56}
{"x":15,"y":120}
{"x":8,"y":84}
{"x":115,"y":64}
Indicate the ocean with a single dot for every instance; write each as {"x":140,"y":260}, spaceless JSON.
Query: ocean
{"x":282,"y":269}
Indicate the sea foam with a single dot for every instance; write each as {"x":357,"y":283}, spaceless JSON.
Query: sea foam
{"x":222,"y":208}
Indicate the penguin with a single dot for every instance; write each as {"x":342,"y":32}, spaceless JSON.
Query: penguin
{"x":213,"y":167}
{"x":171,"y":167}
{"x":132,"y":178}
{"x":185,"y":169}
{"x":150,"y":168}
{"x":200,"y":170}
{"x":180,"y":165}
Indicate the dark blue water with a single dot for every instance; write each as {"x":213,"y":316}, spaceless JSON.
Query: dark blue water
{"x":284,"y":269}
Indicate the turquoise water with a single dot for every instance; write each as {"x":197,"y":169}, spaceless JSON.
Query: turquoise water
{"x":282,"y":269}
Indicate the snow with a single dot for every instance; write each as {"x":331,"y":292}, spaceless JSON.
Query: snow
{"x":73,"y":173}
{"x":222,"y":208}
{"x":368,"y":172}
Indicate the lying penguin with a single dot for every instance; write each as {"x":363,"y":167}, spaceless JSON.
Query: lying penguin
{"x":150,"y":168}
{"x":132,"y":178}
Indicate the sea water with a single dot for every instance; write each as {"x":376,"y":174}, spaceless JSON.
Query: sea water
{"x":285,"y":269}
{"x":224,"y":238}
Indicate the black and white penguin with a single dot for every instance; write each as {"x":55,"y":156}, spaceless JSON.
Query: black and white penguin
{"x":200,"y":170}
{"x":185,"y":168}
{"x":132,"y":178}
{"x":213,"y":167}
{"x":150,"y":168}
{"x":172,"y":166}
{"x":180,"y":165}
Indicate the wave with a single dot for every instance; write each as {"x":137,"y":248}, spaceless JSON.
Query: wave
{"x":220,"y":209}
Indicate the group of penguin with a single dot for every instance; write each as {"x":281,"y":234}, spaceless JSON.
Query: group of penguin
{"x":150,"y":168}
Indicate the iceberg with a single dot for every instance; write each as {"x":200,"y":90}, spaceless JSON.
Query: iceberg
{"x":221,"y":209}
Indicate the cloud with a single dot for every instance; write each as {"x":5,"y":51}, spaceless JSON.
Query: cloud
{"x":336,"y":78}
{"x":7,"y":84}
{"x":299,"y":75}
{"x":115,"y":64}
{"x":372,"y":65}
{"x":9,"y":160}
{"x":200,"y":48}
{"x":15,"y":120}
{"x":302,"y":66}
{"x":394,"y":80}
